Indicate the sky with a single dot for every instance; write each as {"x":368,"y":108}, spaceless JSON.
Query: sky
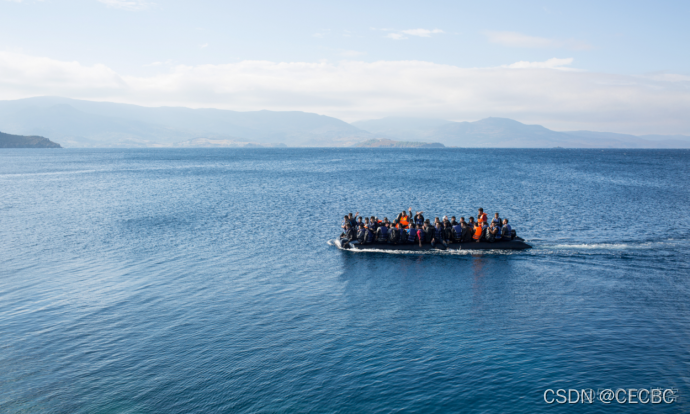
{"x":619,"y":66}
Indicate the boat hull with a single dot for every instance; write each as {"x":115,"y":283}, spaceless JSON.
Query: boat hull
{"x":501,"y":245}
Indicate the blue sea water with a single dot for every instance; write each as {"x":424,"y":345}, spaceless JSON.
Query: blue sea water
{"x":199,"y":281}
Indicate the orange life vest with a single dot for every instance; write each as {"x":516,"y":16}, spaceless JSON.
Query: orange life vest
{"x":478,"y":232}
{"x":482,"y":218}
{"x":403,"y":221}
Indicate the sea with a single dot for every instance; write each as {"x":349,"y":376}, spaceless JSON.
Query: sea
{"x":207,"y":281}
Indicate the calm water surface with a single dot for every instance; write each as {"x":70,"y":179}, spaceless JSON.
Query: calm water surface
{"x":197,"y":281}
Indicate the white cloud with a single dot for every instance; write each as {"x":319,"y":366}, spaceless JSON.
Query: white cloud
{"x":553,"y":63}
{"x":351,"y":90}
{"x":421,"y":32}
{"x":204,"y":46}
{"x":515,"y":39}
{"x":396,"y":36}
{"x":130,"y":5}
{"x":400,"y":34}
{"x":351,"y":53}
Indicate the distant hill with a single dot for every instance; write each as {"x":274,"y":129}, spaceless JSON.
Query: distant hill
{"x":387,"y":143}
{"x":22,"y":141}
{"x":78,"y":123}
{"x":508,"y":133}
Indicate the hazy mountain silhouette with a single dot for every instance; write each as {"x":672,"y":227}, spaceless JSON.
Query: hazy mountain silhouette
{"x":22,"y":141}
{"x":78,"y":123}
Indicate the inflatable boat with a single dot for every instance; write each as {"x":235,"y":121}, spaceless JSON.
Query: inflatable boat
{"x":516,"y":244}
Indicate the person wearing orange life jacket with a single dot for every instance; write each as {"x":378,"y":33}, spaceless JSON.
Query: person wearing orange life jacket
{"x":403,"y":220}
{"x":482,"y":216}
{"x":479,"y":230}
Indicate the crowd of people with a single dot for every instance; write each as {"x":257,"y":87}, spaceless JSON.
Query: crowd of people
{"x":415,"y":229}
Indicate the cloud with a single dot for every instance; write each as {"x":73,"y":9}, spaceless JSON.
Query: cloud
{"x":533,"y":93}
{"x":515,"y":39}
{"x":553,"y":63}
{"x":129,"y":5}
{"x":204,"y":46}
{"x":396,"y":36}
{"x":421,"y":32}
{"x":351,"y":53}
{"x":400,"y":34}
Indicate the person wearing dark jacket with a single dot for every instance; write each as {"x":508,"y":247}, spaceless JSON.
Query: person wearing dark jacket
{"x":419,"y":218}
{"x":350,"y":235}
{"x":394,"y":234}
{"x":458,"y":232}
{"x":506,"y":231}
{"x":362,"y":234}
{"x":428,"y":232}
{"x":382,"y":233}
{"x":371,"y":236}
{"x":439,"y":237}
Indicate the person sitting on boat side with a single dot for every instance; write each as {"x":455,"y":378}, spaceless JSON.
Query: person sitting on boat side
{"x":447,"y":231}
{"x":481,"y":216}
{"x":366,"y":221}
{"x":496,"y":219}
{"x":350,"y":236}
{"x":457,"y":232}
{"x":429,"y":231}
{"x":446,"y":222}
{"x":404,"y":237}
{"x":412,"y":234}
{"x":452,"y":221}
{"x":373,"y":223}
{"x":490,"y":233}
{"x":479,"y":231}
{"x":371,"y":235}
{"x":393,"y":234}
{"x":506,"y":231}
{"x":358,"y":222}
{"x":439,"y":237}
{"x":382,"y":233}
{"x":362,"y":234}
{"x":420,"y":235}
{"x":499,"y":234}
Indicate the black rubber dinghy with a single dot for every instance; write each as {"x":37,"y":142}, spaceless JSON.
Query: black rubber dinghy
{"x":515,"y":244}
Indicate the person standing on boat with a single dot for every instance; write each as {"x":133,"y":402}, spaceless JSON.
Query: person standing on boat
{"x":496,"y":219}
{"x":481,"y":216}
{"x":418,"y":218}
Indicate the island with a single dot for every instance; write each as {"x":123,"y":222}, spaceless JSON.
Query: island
{"x":389,"y":143}
{"x":24,"y":141}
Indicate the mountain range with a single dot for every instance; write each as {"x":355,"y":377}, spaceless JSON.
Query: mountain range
{"x":80,"y":123}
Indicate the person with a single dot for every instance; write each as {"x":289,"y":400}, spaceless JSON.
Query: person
{"x":439,"y":237}
{"x":481,"y":216}
{"x":403,"y":237}
{"x":353,"y":219}
{"x":506,"y":231}
{"x":446,"y":222}
{"x":459,"y":231}
{"x":499,"y":235}
{"x":346,"y":221}
{"x":413,"y":235}
{"x":370,"y":234}
{"x":373,"y":223}
{"x":418,"y":218}
{"x":447,"y":231}
{"x":428,"y":231}
{"x":478,"y":231}
{"x":350,"y":235}
{"x":404,"y":219}
{"x":359,"y":222}
{"x":452,"y":221}
{"x":394,"y":234}
{"x":362,"y":234}
{"x":490,"y":232}
{"x":366,"y":221}
{"x":496,"y":219}
{"x":420,"y":234}
{"x":382,"y":233}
